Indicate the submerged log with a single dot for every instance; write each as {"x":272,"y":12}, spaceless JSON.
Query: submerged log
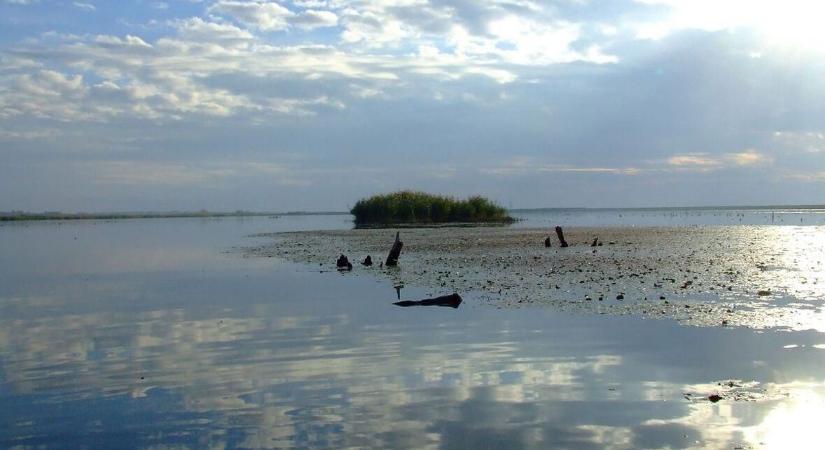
{"x":395,"y":251}
{"x":343,"y":263}
{"x":452,"y":301}
{"x":560,"y":234}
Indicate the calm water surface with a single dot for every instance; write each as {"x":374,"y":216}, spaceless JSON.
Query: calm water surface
{"x":157,"y":334}
{"x":671,"y":216}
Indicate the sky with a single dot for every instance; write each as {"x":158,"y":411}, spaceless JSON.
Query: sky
{"x":137,"y":105}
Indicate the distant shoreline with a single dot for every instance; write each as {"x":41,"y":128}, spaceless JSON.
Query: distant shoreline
{"x":20,"y":216}
{"x":671,"y":208}
{"x":24,"y":216}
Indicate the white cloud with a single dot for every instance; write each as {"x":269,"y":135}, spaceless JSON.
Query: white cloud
{"x":704,"y":162}
{"x":311,"y":19}
{"x":168,"y":77}
{"x":264,"y":15}
{"x":747,"y":158}
{"x":84,"y":6}
{"x":196,"y":29}
{"x":694,"y":160}
{"x":521,"y":165}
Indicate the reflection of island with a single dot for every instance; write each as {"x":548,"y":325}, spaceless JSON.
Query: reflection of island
{"x":324,"y":381}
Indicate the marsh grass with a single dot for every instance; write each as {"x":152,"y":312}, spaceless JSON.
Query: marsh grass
{"x":412,"y":207}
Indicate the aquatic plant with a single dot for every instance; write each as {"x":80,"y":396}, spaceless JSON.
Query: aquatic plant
{"x":422,"y":208}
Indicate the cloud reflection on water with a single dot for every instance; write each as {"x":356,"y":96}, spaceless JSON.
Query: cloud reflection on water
{"x":326,"y":381}
{"x":254,"y":354}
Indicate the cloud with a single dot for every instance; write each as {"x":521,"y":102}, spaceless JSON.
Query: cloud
{"x":806,"y":141}
{"x":175,"y":75}
{"x":810,"y":177}
{"x":153,"y":173}
{"x":264,"y":15}
{"x":84,"y":6}
{"x":699,"y":160}
{"x":28,"y":135}
{"x":195,"y":29}
{"x":791,"y":22}
{"x":704,"y":162}
{"x":748,"y":158}
{"x":311,"y":19}
{"x":165,"y":79}
{"x":454,"y":84}
{"x":520,"y":166}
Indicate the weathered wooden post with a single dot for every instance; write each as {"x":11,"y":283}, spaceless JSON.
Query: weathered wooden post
{"x":560,"y":234}
{"x":395,"y":251}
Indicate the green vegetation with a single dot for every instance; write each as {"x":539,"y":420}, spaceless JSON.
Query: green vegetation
{"x":409,"y":207}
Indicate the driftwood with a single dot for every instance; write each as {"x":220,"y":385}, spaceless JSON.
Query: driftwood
{"x":547,"y":242}
{"x":560,"y":234}
{"x":452,"y":300}
{"x":395,"y":251}
{"x":595,"y":242}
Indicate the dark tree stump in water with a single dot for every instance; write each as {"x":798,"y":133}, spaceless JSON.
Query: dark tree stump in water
{"x":547,"y":242}
{"x":367,"y":261}
{"x":343,"y":263}
{"x":395,"y":251}
{"x":560,"y":234}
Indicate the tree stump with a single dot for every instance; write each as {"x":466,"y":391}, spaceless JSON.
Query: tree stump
{"x":395,"y":251}
{"x":547,"y":242}
{"x":343,"y":263}
{"x":560,"y":234}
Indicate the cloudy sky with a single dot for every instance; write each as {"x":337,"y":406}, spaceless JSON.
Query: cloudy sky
{"x":311,"y":104}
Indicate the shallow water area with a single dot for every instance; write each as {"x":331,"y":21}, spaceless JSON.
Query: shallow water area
{"x":162,"y":333}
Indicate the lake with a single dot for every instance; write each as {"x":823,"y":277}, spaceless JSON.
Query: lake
{"x":161,"y":333}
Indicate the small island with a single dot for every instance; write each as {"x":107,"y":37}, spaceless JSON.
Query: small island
{"x":421,"y":208}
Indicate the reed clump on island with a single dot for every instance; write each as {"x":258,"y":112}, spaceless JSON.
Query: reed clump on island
{"x":412,"y":207}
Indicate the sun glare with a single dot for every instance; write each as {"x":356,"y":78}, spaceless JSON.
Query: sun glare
{"x":794,"y":425}
{"x":786,"y":25}
{"x":794,"y":23}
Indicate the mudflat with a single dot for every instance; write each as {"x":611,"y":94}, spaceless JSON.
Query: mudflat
{"x":747,"y":276}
